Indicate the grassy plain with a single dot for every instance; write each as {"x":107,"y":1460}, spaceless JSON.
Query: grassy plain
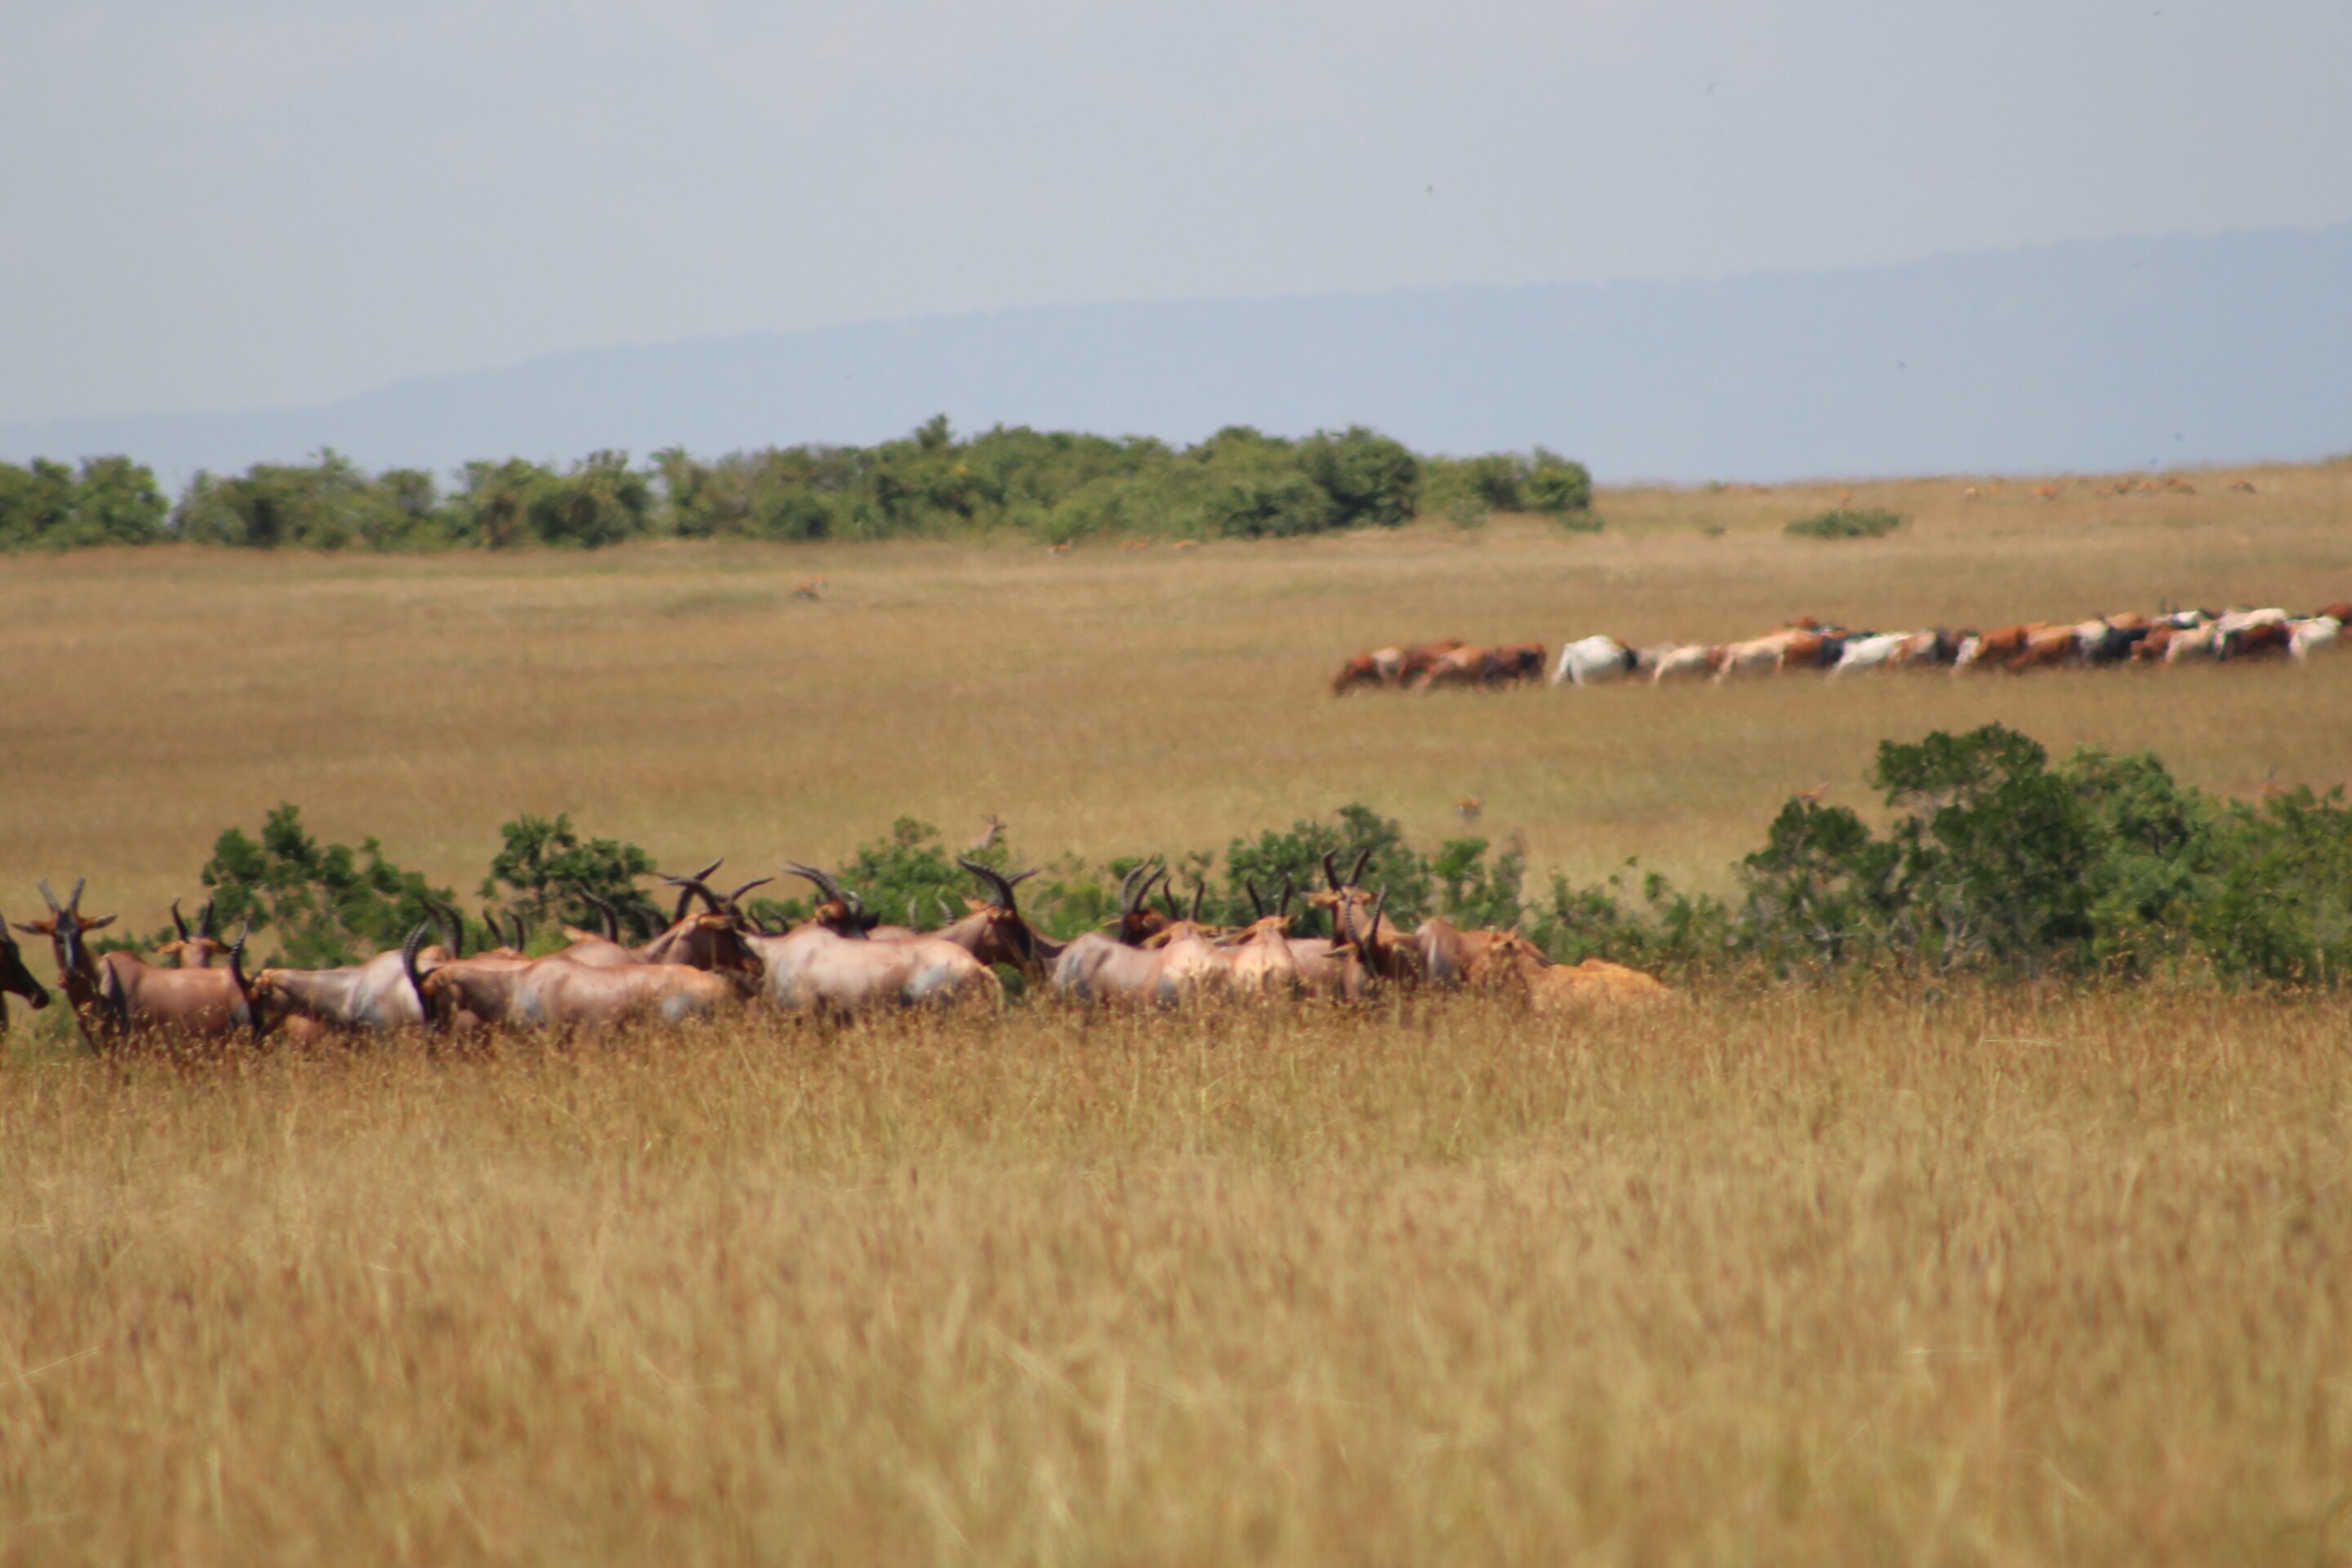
{"x":1997,"y":1277}
{"x":1789,"y":1278}
{"x":1103,"y":703}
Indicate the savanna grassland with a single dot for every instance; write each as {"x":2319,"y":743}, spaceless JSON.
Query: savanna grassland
{"x":1105,"y":703}
{"x":1997,"y":1275}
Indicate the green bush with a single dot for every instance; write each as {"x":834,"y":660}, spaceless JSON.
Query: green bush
{"x":1874,"y":522}
{"x":1556,"y":485}
{"x":111,"y":500}
{"x":544,"y":870}
{"x":317,"y":905}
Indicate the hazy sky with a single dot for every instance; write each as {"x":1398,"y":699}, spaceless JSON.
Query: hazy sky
{"x":215,"y":205}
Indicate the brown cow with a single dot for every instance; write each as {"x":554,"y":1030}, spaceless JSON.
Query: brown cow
{"x":1995,"y":648}
{"x":2047,"y":649}
{"x":1391,"y":667}
{"x":2268,"y":640}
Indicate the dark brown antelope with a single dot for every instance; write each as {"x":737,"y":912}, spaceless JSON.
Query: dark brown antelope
{"x":121,"y":997}
{"x":15,"y":979}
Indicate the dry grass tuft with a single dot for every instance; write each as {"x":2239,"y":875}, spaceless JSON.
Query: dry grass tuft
{"x":2013,"y":1278}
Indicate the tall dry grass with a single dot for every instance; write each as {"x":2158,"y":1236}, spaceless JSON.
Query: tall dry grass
{"x":1106,"y":703}
{"x":2010,"y":1278}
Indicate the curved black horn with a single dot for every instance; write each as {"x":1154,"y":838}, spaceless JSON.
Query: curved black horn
{"x":74,"y":903}
{"x":522,"y":939}
{"x":735,"y":897}
{"x":1331,"y":869}
{"x":608,"y":919}
{"x":1000,"y":886}
{"x":177,"y":923}
{"x":1289,"y":887}
{"x":204,"y":919}
{"x":408,"y":951}
{"x":831,"y":888}
{"x":1129,"y":894}
{"x":1363,"y":860}
{"x":452,"y":923}
{"x":1199,"y":888}
{"x":1258,"y":905}
{"x":51,"y":897}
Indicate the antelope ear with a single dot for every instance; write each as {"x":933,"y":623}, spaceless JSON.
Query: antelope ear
{"x":38,"y":928}
{"x":100,"y":923}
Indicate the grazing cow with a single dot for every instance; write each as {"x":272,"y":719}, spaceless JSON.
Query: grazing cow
{"x":2047,"y":649}
{"x":15,"y":979}
{"x":2316,"y":634}
{"x":1756,"y":656}
{"x":1927,"y":649}
{"x":2194,"y":643}
{"x":1391,"y":667}
{"x":1995,"y":648}
{"x":2263,"y":639}
{"x":2112,"y":640}
{"x":1475,"y":666}
{"x":1874,"y":650}
{"x":1687,"y":661}
{"x":1594,"y":661}
{"x":2238,"y":620}
{"x":121,"y":997}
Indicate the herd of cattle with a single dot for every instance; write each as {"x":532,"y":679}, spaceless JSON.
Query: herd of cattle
{"x":2170,"y":637}
{"x":715,"y":958}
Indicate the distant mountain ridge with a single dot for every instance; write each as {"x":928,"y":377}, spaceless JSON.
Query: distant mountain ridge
{"x":2091,"y":356}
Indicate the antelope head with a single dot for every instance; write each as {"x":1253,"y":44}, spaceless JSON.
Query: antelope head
{"x":843,"y":912}
{"x":65,"y":929}
{"x":15,"y":978}
{"x":1005,"y":936}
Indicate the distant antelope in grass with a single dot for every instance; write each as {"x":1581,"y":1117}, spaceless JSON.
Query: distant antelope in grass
{"x":1469,"y":806}
{"x":1061,"y":549}
{"x":810,"y":589}
{"x":2045,"y":493}
{"x":987,"y":840}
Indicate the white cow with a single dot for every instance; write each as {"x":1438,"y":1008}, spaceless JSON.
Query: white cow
{"x":2316,"y":634}
{"x":1874,"y":652}
{"x":1594,"y":660}
{"x":2238,"y":620}
{"x":2197,"y":642}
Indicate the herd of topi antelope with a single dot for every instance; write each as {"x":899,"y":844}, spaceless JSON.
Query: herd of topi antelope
{"x":2170,"y":637}
{"x":717,"y":958}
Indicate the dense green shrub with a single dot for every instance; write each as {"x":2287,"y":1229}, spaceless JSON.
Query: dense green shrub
{"x":111,"y":500}
{"x":544,"y":871}
{"x":312,"y":905}
{"x":1873,"y":522}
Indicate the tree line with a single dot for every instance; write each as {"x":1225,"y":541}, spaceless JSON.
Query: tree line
{"x":1239,"y":483}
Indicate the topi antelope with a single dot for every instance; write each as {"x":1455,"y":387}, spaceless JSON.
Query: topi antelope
{"x":121,"y":996}
{"x":832,"y":964}
{"x":192,"y":950}
{"x":15,"y":979}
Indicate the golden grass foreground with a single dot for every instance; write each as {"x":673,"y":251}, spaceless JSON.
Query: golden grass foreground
{"x":2010,"y":1276}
